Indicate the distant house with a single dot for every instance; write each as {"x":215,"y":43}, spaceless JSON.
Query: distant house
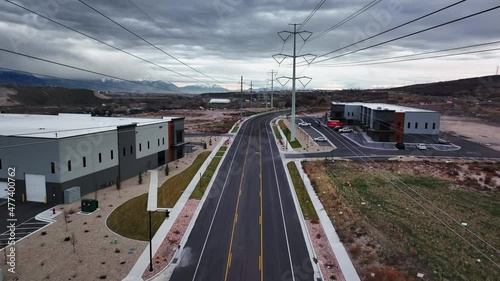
{"x":219,"y":101}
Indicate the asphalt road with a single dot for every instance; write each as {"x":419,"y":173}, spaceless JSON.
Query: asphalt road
{"x":248,"y":228}
{"x":346,"y":148}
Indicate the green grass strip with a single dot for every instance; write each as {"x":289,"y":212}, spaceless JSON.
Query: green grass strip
{"x":131,"y":218}
{"x":305,"y":201}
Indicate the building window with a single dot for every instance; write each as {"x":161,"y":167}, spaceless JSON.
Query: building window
{"x":426,"y":125}
{"x":140,"y":147}
{"x":124,"y":151}
{"x":112,"y":156}
{"x":162,"y":142}
{"x":148,"y":145}
{"x":416,"y":125}
{"x":69,"y":165}
{"x":0,"y":164}
{"x":433,"y":126}
{"x":53,"y":167}
{"x":158,"y":142}
{"x":180,"y":136}
{"x":131,"y":150}
{"x":100,"y":157}
{"x":85,"y":161}
{"x":409,"y":125}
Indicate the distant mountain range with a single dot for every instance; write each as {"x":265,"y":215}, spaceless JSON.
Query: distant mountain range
{"x":105,"y":85}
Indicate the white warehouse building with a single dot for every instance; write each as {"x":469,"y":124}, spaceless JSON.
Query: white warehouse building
{"x":53,"y":153}
{"x":388,"y":122}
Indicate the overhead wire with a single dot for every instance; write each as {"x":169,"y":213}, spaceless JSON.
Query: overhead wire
{"x":84,"y":70}
{"x":68,"y":79}
{"x":424,"y":198}
{"x":150,"y":17}
{"x":148,"y":42}
{"x":411,"y":55}
{"x":313,"y":12}
{"x":417,"y":59}
{"x":344,"y":21}
{"x":412,"y":34}
{"x":102,"y":42}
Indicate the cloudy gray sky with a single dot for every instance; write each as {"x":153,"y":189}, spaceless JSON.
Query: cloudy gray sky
{"x":229,"y":38}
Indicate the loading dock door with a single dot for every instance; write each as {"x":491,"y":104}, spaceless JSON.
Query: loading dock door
{"x":35,"y":188}
{"x":3,"y":190}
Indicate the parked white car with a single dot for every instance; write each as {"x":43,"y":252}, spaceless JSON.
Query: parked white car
{"x":320,"y":139}
{"x":421,"y":146}
{"x":304,"y":124}
{"x":345,"y":130}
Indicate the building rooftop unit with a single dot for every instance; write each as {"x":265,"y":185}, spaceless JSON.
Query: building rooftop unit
{"x":220,"y":101}
{"x":384,"y":106}
{"x":66,"y":125}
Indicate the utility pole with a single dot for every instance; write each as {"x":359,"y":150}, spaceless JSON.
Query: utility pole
{"x":251,"y":93}
{"x":272,"y":87}
{"x":241,"y":105}
{"x":294,"y":78}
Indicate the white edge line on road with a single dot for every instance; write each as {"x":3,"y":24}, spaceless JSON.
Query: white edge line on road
{"x":281,"y":205}
{"x":143,"y":260}
{"x":190,"y":227}
{"x":218,"y":203}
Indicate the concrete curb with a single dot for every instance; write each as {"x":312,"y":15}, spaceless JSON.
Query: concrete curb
{"x":305,"y":232}
{"x":143,"y":261}
{"x":343,"y":258}
{"x":288,"y":146}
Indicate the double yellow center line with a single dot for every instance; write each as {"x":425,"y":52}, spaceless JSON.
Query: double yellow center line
{"x":261,"y":257}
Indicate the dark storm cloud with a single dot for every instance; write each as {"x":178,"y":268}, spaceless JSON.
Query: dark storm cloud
{"x":243,"y":33}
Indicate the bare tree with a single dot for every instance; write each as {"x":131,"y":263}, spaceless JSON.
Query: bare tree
{"x":73,"y":241}
{"x":66,"y":217}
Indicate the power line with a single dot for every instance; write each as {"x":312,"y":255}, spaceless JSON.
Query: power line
{"x":150,"y":17}
{"x":407,"y":35}
{"x":84,"y":70}
{"x":412,"y":55}
{"x":102,"y":42}
{"x":418,"y":203}
{"x":352,"y":16}
{"x":149,"y":43}
{"x":425,"y":58}
{"x":67,"y":79}
{"x":318,"y":6}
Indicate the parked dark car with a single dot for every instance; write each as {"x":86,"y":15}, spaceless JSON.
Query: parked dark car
{"x":400,"y":145}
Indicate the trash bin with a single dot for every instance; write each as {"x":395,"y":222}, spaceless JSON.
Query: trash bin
{"x":89,"y":205}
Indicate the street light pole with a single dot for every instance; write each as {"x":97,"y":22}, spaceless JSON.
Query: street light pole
{"x":150,"y":245}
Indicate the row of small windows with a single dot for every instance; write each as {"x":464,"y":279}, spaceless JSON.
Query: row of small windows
{"x":84,"y":159}
{"x":149,"y":145}
{"x":426,"y":126}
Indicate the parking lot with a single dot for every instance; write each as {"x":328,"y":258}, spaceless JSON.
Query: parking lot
{"x":313,"y":132}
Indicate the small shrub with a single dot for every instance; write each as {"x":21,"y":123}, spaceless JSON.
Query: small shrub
{"x":117,"y":250}
{"x":44,"y":233}
{"x":487,"y":180}
{"x":71,"y":211}
{"x":86,"y":230}
{"x":102,"y":277}
{"x":67,"y":238}
{"x":140,"y":178}
{"x":355,"y":250}
{"x":318,"y":236}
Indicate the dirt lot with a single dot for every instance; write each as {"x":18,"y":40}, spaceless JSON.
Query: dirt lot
{"x":205,"y":120}
{"x":473,"y":129}
{"x":388,"y":233}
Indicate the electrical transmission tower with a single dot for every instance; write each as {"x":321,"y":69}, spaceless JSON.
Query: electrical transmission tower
{"x":241,"y":103}
{"x":272,"y":87}
{"x":307,"y":35}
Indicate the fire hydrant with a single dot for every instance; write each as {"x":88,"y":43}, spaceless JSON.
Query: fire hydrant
{"x":53,"y":211}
